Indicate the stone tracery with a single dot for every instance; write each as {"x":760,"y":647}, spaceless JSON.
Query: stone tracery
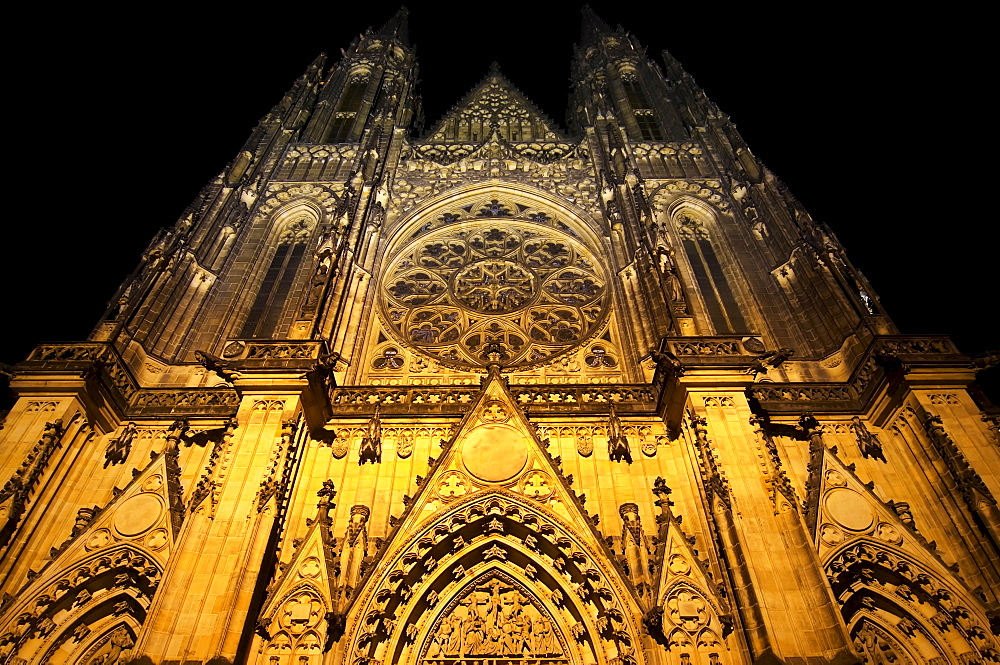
{"x":531,"y":290}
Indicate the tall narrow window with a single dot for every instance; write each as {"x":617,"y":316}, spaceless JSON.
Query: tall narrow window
{"x":273,"y":292}
{"x":715,"y":291}
{"x":642,"y":110}
{"x":347,"y":109}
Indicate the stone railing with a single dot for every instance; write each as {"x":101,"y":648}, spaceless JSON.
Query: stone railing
{"x":265,"y":354}
{"x":184,"y":402}
{"x":92,"y":359}
{"x":593,"y":399}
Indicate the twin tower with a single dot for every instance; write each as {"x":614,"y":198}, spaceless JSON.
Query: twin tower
{"x":498,"y":393}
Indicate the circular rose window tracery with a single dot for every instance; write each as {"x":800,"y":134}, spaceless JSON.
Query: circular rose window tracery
{"x":527,"y":291}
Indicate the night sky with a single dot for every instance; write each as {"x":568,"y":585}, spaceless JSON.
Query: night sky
{"x":872,"y":119}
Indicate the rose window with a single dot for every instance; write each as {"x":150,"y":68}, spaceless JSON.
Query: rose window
{"x":527,"y":291}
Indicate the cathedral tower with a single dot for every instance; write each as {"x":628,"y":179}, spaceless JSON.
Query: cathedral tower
{"x":498,"y":390}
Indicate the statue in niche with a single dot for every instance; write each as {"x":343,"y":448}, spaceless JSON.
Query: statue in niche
{"x":371,"y":444}
{"x":868,"y":442}
{"x":618,"y":448}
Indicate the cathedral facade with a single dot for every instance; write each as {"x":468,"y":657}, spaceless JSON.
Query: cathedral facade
{"x":497,"y":392}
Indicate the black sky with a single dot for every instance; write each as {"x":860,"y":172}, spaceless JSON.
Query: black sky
{"x":874,"y":120}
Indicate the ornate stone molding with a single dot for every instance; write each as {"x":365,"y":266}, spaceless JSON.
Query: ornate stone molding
{"x":589,"y":399}
{"x":710,"y":190}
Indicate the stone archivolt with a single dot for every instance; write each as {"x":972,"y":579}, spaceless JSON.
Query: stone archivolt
{"x":897,"y":595}
{"x":90,"y":600}
{"x":499,"y":520}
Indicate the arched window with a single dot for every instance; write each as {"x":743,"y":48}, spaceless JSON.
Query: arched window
{"x":347,"y":109}
{"x":715,"y":291}
{"x":277,"y":283}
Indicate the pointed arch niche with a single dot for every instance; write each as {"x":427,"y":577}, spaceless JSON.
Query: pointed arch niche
{"x":695,"y":227}
{"x":495,"y":578}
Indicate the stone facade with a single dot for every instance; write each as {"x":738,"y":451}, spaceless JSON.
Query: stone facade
{"x":498,"y":393}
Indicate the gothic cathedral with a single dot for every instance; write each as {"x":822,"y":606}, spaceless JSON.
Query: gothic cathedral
{"x":497,"y":392}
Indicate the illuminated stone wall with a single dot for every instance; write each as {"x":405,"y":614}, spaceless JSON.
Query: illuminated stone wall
{"x":500,"y":393}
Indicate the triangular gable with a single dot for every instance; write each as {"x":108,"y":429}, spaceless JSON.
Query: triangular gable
{"x":495,"y":101}
{"x":848,"y":509}
{"x":103,"y":577}
{"x":494,"y":508}
{"x":496,"y":446}
{"x":875,"y":559}
{"x":689,"y":612}
{"x":300,"y":604}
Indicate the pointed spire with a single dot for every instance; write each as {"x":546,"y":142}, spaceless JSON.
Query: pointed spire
{"x":592,"y":26}
{"x":397,"y":27}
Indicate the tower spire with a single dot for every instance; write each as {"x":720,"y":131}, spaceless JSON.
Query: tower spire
{"x":397,"y":27}
{"x":592,"y":26}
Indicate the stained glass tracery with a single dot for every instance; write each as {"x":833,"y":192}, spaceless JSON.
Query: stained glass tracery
{"x":464,"y":289}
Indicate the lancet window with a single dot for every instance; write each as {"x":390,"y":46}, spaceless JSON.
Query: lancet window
{"x":716,"y":293}
{"x":642,"y":110}
{"x":347,"y":109}
{"x":277,"y":283}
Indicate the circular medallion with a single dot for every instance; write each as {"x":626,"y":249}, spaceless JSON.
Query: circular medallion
{"x":138,"y":513}
{"x":849,"y":509}
{"x":494,"y":453}
{"x":888,"y":533}
{"x":97,"y":540}
{"x":678,"y":565}
{"x":453,"y":484}
{"x":153,"y":483}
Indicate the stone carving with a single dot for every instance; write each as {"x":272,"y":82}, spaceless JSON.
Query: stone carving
{"x":371,"y":443}
{"x":111,"y":650}
{"x":452,"y":293}
{"x":185,"y":398}
{"x":453,"y":485}
{"x":618,"y":448}
{"x":706,"y":348}
{"x":536,"y":484}
{"x":119,"y":448}
{"x":868,"y":442}
{"x":280,"y":194}
{"x":15,"y":492}
{"x":494,"y":619}
{"x":772,"y":359}
{"x":789,"y":393}
{"x":217,"y":365}
{"x":584,"y":398}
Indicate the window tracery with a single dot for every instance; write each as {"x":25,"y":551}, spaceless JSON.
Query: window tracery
{"x":477,"y":283}
{"x":347,"y":109}
{"x":720,"y":302}
{"x":276,"y":286}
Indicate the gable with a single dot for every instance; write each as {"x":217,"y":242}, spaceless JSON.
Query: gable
{"x":494,"y":103}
